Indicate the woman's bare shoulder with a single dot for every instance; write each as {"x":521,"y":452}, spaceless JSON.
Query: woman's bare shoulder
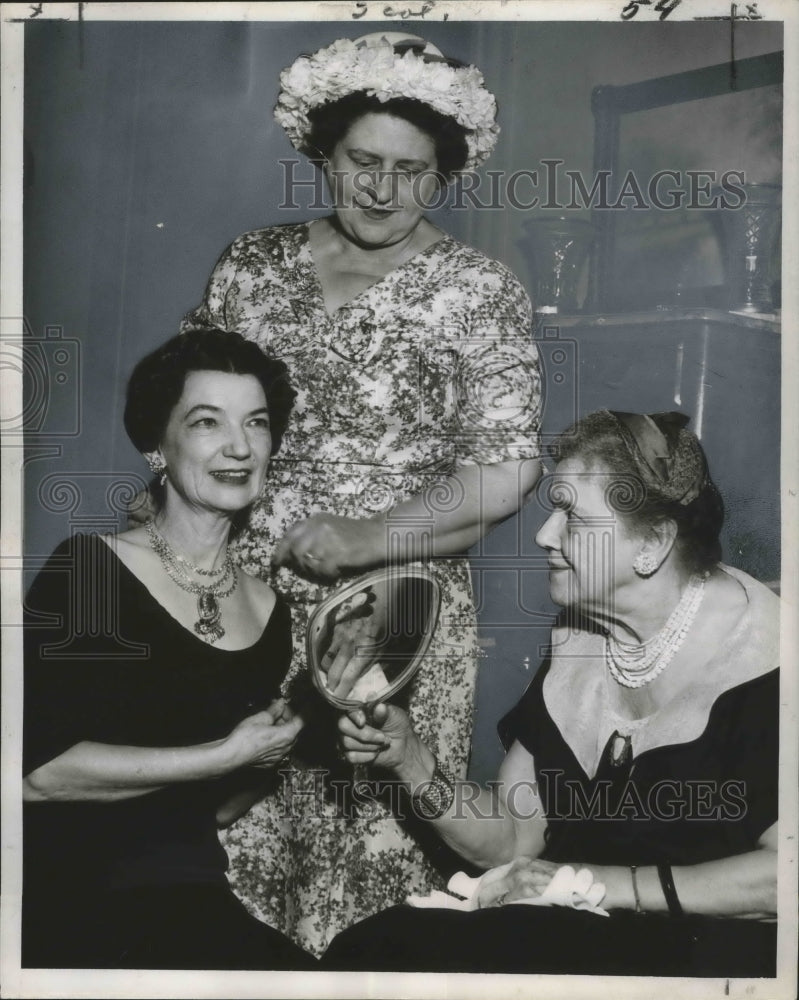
{"x":133,"y":537}
{"x":134,"y":551}
{"x":257,"y":591}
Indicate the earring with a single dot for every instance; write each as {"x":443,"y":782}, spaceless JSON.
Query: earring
{"x":645,"y":564}
{"x":157,"y":465}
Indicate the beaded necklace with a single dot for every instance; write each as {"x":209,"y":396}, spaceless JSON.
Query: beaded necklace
{"x":633,"y":665}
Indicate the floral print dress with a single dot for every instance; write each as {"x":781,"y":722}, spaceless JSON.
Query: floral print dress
{"x":431,"y":368}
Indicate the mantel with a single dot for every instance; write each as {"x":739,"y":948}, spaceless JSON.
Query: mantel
{"x":761,"y":322}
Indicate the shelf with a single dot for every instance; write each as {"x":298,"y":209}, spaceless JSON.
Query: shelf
{"x":760,"y":322}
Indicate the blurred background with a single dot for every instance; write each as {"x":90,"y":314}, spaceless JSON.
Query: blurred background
{"x":150,"y":146}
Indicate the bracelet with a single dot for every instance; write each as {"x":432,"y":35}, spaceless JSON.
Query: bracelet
{"x":434,"y":797}
{"x":670,"y":893}
{"x":634,"y":876}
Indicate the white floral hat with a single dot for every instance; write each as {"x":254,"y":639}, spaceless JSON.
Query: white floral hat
{"x":387,"y":65}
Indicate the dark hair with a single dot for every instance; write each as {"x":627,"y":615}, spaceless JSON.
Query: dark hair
{"x":599,"y":439}
{"x":330,"y":123}
{"x":157,"y":381}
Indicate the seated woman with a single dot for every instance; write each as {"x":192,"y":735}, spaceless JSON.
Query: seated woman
{"x":152,"y":667}
{"x":645,"y":749}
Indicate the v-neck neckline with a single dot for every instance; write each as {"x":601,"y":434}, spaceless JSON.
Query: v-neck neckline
{"x":390,"y":277}
{"x":167,"y":614}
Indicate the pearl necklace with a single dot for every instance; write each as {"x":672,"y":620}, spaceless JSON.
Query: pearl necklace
{"x":633,"y":665}
{"x":209,"y":622}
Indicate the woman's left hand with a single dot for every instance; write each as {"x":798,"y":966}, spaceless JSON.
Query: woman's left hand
{"x":325,"y":545}
{"x":384,"y":741}
{"x":525,"y":878}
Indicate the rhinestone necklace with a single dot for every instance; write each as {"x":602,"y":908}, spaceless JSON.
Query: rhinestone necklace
{"x":209,"y":622}
{"x":185,"y":564}
{"x":633,"y":665}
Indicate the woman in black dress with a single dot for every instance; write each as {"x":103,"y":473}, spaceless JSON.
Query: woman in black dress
{"x":152,"y":669}
{"x":645,"y":749}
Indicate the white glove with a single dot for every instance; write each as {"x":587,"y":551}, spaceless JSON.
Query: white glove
{"x":577,"y":890}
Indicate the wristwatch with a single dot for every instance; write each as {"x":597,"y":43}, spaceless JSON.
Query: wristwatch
{"x":434,"y":797}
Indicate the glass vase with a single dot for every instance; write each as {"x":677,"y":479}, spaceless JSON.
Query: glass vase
{"x":556,"y":249}
{"x":749,"y":237}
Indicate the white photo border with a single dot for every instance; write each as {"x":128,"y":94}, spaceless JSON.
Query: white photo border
{"x":17,"y":982}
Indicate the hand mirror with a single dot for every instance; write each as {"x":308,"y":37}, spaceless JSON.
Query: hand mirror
{"x":368,"y":638}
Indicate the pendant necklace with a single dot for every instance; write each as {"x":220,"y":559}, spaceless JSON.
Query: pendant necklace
{"x":209,"y":621}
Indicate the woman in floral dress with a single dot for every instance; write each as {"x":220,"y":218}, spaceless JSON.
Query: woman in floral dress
{"x":415,"y":431}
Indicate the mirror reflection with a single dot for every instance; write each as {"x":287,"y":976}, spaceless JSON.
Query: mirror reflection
{"x":366,"y":641}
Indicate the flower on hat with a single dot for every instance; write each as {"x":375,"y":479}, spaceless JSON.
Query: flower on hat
{"x":373,"y":66}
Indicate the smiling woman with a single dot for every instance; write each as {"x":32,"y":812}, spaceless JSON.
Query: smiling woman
{"x":642,"y":759}
{"x":218,"y":434}
{"x":144,"y":737}
{"x":207,"y":410}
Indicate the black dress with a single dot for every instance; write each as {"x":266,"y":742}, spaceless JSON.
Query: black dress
{"x":137,"y":883}
{"x":708,"y":793}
